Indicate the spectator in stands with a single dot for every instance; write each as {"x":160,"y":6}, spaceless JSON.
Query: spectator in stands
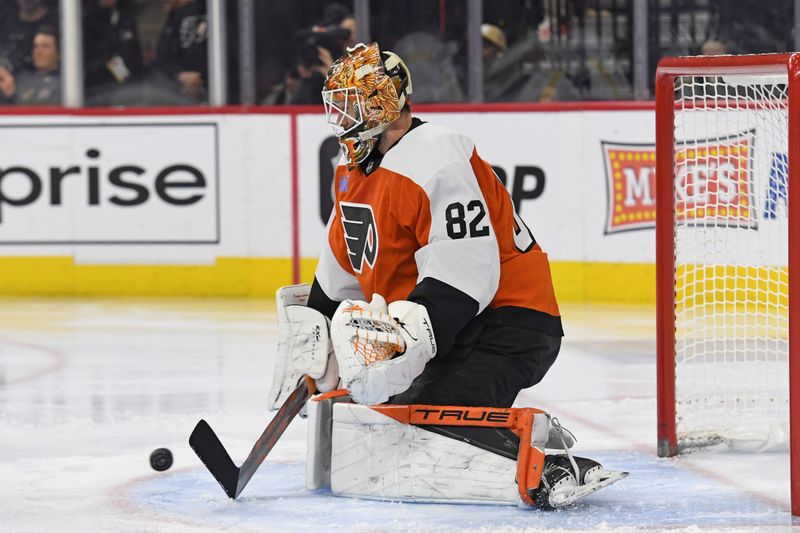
{"x":42,"y":85}
{"x":181,"y":60}
{"x":713,"y":48}
{"x":494,"y":43}
{"x":111,"y":50}
{"x":345,"y":20}
{"x":312,"y":70}
{"x":340,"y":24}
{"x":18,"y":26}
{"x":317,"y":50}
{"x":496,"y":73}
{"x":282,"y":93}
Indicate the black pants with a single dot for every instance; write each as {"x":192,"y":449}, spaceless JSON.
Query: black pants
{"x":488,"y":366}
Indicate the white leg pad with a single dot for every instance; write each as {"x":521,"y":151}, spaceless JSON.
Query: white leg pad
{"x":374,"y":456}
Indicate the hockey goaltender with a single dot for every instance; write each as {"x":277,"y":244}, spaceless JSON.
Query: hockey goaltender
{"x":462,"y":317}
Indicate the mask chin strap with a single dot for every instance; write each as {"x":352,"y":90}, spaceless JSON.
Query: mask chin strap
{"x":373,"y":133}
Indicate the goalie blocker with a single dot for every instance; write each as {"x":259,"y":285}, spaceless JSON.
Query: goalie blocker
{"x":386,"y":452}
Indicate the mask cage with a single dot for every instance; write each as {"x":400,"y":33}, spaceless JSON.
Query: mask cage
{"x":343,"y":109}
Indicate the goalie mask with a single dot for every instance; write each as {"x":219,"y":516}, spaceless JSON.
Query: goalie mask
{"x":365,"y":91}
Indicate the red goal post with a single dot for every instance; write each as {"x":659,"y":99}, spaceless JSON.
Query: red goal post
{"x":724,"y":128}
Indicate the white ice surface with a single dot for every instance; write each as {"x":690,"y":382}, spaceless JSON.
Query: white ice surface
{"x":89,"y":388}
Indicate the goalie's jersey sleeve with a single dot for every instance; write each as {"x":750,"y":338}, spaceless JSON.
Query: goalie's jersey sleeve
{"x":429,"y":221}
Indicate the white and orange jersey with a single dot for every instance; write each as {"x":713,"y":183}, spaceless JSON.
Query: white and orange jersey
{"x":430,"y":222}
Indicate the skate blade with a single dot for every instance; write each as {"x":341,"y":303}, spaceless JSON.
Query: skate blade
{"x":570,"y":495}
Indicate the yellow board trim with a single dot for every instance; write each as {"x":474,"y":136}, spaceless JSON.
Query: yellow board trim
{"x":261,"y":277}
{"x":60,"y":276}
{"x":732,"y":287}
{"x":576,"y":281}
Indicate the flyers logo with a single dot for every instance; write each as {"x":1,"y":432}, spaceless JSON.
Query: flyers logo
{"x":360,"y":234}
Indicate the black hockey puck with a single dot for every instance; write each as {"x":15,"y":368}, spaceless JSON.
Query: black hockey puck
{"x":161,"y":459}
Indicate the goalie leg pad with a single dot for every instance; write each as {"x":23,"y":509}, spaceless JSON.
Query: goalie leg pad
{"x":375,"y":456}
{"x":383,"y":452}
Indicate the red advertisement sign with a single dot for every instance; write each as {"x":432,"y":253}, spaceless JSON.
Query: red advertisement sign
{"x":713,"y":183}
{"x":631,"y":186}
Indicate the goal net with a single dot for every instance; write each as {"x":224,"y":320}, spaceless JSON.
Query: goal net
{"x":723,"y":252}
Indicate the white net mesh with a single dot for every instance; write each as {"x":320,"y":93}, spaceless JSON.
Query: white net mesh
{"x":731,"y":250}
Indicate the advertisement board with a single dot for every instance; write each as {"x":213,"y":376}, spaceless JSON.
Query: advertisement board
{"x":553,"y":165}
{"x":121,"y":183}
{"x":231,"y":201}
{"x":140,"y":188}
{"x":135,"y":203}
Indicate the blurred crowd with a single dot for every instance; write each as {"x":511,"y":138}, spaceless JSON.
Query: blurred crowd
{"x":171,"y":68}
{"x":315,"y":49}
{"x":155,"y":52}
{"x":118,"y":70}
{"x":532,"y":50}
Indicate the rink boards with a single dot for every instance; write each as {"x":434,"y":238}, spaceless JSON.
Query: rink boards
{"x":194,"y":202}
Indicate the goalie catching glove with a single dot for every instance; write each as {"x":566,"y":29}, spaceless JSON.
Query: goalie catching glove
{"x":304,"y":346}
{"x":381,"y":349}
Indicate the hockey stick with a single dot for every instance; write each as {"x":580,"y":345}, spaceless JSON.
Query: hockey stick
{"x":210,"y":450}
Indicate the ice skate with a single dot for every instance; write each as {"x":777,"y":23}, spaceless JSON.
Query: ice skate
{"x":560,"y":486}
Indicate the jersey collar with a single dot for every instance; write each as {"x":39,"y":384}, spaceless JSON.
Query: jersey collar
{"x":373,"y":160}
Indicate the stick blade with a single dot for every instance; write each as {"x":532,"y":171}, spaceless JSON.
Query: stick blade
{"x":210,"y":450}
